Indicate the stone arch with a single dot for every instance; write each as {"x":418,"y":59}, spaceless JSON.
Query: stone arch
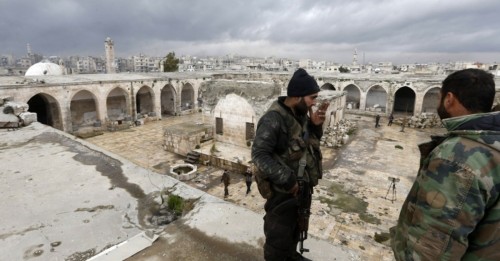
{"x":168,"y":99}
{"x":328,"y":86}
{"x":376,"y":98}
{"x":117,"y":102}
{"x":144,"y":100}
{"x":234,"y":119}
{"x":187,"y":97}
{"x":47,"y":110}
{"x":83,"y":108}
{"x":404,"y":100}
{"x":430,"y":102}
{"x":353,"y":96}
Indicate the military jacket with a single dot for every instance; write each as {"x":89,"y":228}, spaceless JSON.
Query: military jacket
{"x":275,"y":137}
{"x":453,"y":210}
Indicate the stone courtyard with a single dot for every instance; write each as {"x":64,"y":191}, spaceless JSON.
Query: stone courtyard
{"x":354,"y":205}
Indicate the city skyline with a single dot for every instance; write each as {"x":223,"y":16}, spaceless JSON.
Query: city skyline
{"x":396,"y":31}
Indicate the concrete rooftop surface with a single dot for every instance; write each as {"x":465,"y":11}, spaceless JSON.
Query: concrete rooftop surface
{"x":64,"y":198}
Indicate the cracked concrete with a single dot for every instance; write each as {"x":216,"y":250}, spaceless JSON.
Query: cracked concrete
{"x":65,"y":198}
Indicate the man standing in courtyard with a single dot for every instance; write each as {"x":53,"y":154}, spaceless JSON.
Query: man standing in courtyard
{"x":453,"y":209}
{"x":226,"y":179}
{"x":377,"y":120}
{"x":391,"y":119}
{"x":248,"y":179}
{"x":285,"y":136}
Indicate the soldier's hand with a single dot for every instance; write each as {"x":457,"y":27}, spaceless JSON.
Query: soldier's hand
{"x":318,"y":117}
{"x":294,"y":190}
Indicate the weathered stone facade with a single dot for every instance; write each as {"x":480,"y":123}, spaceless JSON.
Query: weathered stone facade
{"x":72,"y":102}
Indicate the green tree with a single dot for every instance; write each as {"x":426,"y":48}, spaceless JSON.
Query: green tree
{"x":343,"y":69}
{"x":171,"y":64}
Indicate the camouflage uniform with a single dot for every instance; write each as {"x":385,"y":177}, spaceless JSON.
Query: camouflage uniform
{"x":453,"y":210}
{"x":280,"y":135}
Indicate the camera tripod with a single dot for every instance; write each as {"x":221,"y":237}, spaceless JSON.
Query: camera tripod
{"x":393,"y":187}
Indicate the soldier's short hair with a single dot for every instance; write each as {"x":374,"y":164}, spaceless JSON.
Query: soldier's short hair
{"x":474,"y":88}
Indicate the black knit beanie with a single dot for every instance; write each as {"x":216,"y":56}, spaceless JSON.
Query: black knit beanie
{"x":302,"y":84}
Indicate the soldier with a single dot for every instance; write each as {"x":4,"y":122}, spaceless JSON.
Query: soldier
{"x":226,"y":179}
{"x":452,"y":210}
{"x":285,"y":136}
{"x":248,"y":179}
{"x":391,"y":119}
{"x":377,"y":120}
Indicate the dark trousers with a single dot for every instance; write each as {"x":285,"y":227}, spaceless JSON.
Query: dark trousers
{"x":249,"y":184}
{"x":280,"y":227}
{"x":226,"y":191}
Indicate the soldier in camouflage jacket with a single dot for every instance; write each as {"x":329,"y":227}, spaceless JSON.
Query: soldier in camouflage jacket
{"x":277,"y":148}
{"x":453,"y":209}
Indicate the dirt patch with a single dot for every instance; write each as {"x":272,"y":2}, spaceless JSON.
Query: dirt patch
{"x":184,"y":243}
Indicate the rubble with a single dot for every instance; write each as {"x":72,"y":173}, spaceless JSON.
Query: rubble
{"x":422,"y":121}
{"x":15,"y":114}
{"x":338,"y":135}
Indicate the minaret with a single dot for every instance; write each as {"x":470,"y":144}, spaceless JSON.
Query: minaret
{"x":110,"y":55}
{"x":355,"y":57}
{"x":28,"y":46}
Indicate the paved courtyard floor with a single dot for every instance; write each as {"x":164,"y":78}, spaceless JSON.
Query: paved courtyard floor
{"x":355,"y":200}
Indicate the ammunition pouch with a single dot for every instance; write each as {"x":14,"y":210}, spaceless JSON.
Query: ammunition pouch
{"x":263,"y":185}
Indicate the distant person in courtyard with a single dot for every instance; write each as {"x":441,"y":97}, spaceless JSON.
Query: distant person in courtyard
{"x":289,"y":133}
{"x":226,"y":179}
{"x":403,"y":124}
{"x":248,"y":179}
{"x":452,"y":212}
{"x":391,"y":119}
{"x":377,"y":120}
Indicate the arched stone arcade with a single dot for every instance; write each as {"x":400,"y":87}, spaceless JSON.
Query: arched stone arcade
{"x":60,"y":104}
{"x":376,"y":98}
{"x":353,"y":96}
{"x":328,"y":86}
{"x":83,"y":108}
{"x":431,"y":100}
{"x":187,"y":97}
{"x":118,"y":105}
{"x":168,"y":101}
{"x":144,"y":100}
{"x":47,"y":110}
{"x":404,"y":100}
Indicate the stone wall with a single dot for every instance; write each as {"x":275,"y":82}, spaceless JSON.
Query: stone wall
{"x":235,"y":112}
{"x":185,"y":137}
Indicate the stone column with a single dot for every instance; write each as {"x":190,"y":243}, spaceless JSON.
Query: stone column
{"x":419,"y":99}
{"x":101,"y":108}
{"x":362,"y":100}
{"x":157,"y":101}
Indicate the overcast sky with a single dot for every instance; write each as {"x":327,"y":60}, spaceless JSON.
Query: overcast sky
{"x":401,"y":31}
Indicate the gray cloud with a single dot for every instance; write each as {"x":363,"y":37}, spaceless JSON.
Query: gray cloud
{"x":384,"y":30}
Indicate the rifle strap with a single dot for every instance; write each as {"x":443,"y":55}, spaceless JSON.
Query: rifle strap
{"x":302,"y":166}
{"x":302,"y":161}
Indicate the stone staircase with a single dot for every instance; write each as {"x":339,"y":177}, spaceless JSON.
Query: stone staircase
{"x":192,"y":157}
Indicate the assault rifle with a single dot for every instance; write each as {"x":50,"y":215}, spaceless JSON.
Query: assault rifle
{"x":304,"y":210}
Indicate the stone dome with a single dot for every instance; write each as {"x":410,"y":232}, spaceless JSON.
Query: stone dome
{"x":44,"y":68}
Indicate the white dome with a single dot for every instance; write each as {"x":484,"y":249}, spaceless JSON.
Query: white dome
{"x":44,"y":68}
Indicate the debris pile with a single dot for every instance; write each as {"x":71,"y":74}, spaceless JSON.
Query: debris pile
{"x":422,"y":121}
{"x":15,"y":114}
{"x":338,"y":135}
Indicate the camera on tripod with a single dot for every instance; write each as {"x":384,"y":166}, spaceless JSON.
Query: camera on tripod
{"x":393,"y":180}
{"x":392,"y":187}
